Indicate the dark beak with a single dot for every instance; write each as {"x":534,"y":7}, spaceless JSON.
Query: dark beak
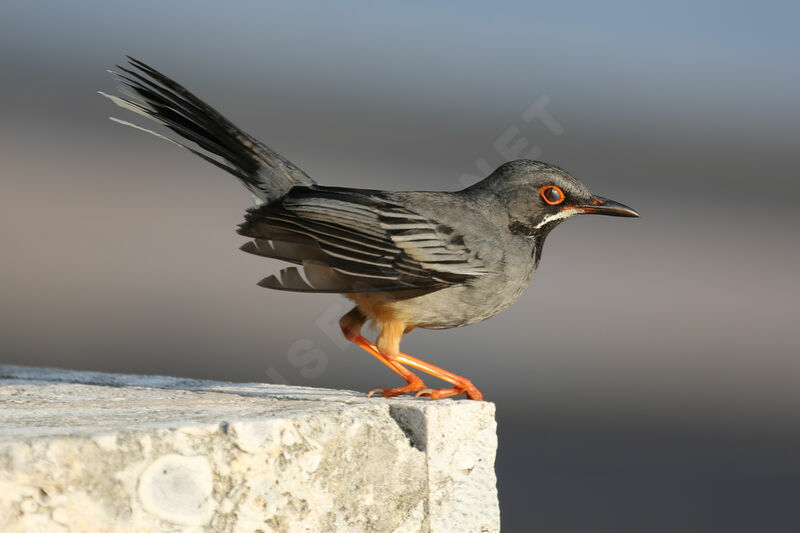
{"x":604,"y":206}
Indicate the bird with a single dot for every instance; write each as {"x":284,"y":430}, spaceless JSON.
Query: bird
{"x":406,"y":259}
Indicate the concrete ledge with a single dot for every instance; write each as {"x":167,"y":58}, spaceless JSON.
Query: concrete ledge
{"x":86,"y":451}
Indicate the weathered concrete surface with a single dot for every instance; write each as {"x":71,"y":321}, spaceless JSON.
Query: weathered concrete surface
{"x":83,"y":451}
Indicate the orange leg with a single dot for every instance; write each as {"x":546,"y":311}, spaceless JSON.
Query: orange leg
{"x":462,"y":385}
{"x":414,"y":383}
{"x":351,"y":326}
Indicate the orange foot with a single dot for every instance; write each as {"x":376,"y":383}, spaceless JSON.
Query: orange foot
{"x":414,"y":385}
{"x":435,"y":394}
{"x":461,"y":385}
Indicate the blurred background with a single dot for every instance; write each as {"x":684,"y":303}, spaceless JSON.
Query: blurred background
{"x":648,"y":379}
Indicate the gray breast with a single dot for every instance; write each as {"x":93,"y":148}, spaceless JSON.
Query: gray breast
{"x":480,"y":298}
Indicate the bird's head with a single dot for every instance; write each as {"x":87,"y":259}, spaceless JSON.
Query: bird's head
{"x":539,"y":196}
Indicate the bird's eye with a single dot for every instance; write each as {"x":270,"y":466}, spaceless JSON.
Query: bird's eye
{"x":552,"y":194}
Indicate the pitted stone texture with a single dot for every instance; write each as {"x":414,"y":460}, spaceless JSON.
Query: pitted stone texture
{"x":83,"y":451}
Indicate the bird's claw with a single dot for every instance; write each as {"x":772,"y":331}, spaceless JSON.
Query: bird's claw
{"x":435,"y":394}
{"x":414,"y":386}
{"x":423,"y":392}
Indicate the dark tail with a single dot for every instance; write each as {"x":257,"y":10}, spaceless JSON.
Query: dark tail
{"x":153,"y":95}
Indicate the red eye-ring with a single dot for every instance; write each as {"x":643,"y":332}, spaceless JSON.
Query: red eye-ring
{"x":552,"y":194}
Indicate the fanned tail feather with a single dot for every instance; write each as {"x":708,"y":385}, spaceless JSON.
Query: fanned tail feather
{"x":153,"y":95}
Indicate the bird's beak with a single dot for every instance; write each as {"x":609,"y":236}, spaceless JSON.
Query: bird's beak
{"x":604,"y":206}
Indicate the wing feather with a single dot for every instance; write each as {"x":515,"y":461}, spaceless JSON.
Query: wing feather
{"x":349,"y":240}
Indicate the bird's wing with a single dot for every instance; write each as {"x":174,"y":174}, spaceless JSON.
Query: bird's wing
{"x":153,"y":95}
{"x":349,"y":240}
